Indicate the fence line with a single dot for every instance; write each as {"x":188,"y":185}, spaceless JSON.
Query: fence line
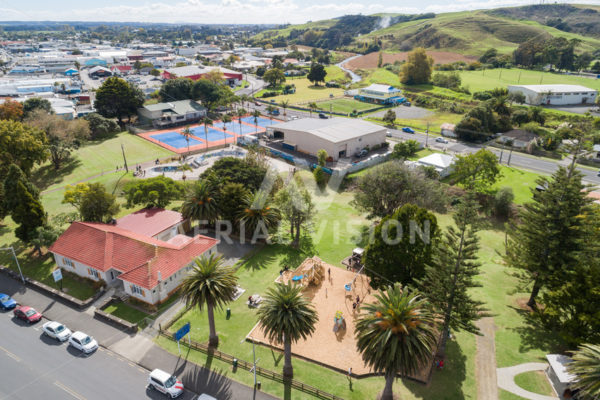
{"x":275,"y":376}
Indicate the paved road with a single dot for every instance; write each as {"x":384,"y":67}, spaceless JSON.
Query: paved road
{"x":35,"y":367}
{"x":256,"y":84}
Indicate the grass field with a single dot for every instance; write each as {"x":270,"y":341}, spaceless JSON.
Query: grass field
{"x":493,"y":78}
{"x":306,"y":92}
{"x":344,"y":105}
{"x":521,"y":181}
{"x":98,"y":157}
{"x":125,"y":311}
{"x":535,"y":381}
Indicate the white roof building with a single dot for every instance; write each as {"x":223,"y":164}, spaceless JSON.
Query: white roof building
{"x":557,"y":372}
{"x":442,"y":163}
{"x":558,"y":94}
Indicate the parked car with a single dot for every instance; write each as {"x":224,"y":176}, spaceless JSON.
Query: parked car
{"x":293,"y":117}
{"x":362,"y":153}
{"x":274,"y":112}
{"x":83,"y":342}
{"x":165,"y":383}
{"x":408,"y":130}
{"x":441,"y":140}
{"x":27,"y":313}
{"x":7,"y":302}
{"x":56,"y":330}
{"x":406,"y":103}
{"x":204,"y":396}
{"x":322,"y":116}
{"x":388,"y":133}
{"x":257,"y":103}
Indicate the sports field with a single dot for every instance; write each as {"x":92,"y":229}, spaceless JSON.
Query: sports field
{"x":344,"y":105}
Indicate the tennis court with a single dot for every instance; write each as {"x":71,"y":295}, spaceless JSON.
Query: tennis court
{"x":264,"y":122}
{"x":242,"y":129}
{"x":213,"y":134}
{"x":174,"y":139}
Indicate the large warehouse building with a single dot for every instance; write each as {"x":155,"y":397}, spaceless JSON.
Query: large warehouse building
{"x":557,"y":95}
{"x":340,"y":137}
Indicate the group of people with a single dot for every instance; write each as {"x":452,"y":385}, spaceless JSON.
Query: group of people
{"x":139,"y":171}
{"x":356,"y":304}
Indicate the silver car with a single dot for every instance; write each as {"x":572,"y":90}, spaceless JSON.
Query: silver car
{"x":56,"y":330}
{"x":83,"y":342}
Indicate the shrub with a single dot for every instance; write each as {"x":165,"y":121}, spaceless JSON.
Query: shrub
{"x":503,"y":202}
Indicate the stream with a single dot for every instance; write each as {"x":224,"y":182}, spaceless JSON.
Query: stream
{"x":355,"y":77}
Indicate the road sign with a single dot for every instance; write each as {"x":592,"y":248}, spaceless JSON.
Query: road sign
{"x":184,"y":330}
{"x":57,"y":274}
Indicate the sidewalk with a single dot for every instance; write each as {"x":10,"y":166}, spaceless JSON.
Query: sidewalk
{"x":138,"y":348}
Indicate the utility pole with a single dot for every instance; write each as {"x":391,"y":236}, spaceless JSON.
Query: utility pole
{"x":12,"y":249}
{"x":427,"y":135}
{"x":124,"y":159}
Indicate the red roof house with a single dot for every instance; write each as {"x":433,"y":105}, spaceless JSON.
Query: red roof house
{"x":150,"y":269}
{"x":195,"y":72}
{"x":154,"y":222}
{"x":121,"y":69}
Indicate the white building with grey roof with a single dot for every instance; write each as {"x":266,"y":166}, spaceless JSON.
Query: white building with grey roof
{"x":556,"y":95}
{"x":340,"y":137}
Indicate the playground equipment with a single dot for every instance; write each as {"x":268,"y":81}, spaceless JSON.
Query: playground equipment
{"x":339,"y":322}
{"x":348,"y":286}
{"x":313,"y":272}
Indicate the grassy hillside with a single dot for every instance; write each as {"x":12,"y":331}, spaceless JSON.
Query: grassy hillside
{"x":466,"y":32}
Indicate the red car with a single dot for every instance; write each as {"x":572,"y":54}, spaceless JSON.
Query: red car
{"x":27,"y":314}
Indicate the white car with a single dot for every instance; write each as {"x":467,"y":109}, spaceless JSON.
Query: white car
{"x":56,"y":330}
{"x":83,"y":342}
{"x":441,"y":140}
{"x":165,"y":383}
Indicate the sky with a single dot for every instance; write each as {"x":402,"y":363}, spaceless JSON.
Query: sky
{"x":231,"y":11}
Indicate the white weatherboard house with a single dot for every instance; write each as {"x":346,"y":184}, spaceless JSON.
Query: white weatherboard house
{"x":340,"y":137}
{"x":556,"y":95}
{"x":145,"y":252}
{"x":558,"y":374}
{"x":442,"y":163}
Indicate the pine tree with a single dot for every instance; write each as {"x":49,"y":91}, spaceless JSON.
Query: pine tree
{"x":29,"y":214}
{"x":546,"y":242}
{"x":452,"y":271}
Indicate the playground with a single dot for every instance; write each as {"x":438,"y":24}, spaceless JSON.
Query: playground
{"x":217,"y":134}
{"x":333,"y":343}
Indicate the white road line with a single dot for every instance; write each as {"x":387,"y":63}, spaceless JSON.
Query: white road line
{"x":11,"y":355}
{"x":68,"y":390}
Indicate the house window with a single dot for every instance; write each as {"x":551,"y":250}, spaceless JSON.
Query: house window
{"x":135,"y":289}
{"x":68,"y":262}
{"x":93,"y":272}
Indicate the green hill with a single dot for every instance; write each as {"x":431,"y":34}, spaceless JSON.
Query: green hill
{"x":467,"y":32}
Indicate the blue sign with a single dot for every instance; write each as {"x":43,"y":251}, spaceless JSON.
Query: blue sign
{"x":57,"y":274}
{"x":184,"y":330}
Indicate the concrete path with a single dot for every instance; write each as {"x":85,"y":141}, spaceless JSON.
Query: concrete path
{"x":485,"y":361}
{"x":506,"y":380}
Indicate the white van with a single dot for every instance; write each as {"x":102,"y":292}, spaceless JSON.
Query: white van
{"x":165,"y":383}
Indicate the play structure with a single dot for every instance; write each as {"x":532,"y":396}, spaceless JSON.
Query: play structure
{"x":339,"y":322}
{"x":348,"y":286}
{"x":310,"y":272}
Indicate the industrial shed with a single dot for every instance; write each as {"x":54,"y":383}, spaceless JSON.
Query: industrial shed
{"x":556,"y":95}
{"x":340,"y":137}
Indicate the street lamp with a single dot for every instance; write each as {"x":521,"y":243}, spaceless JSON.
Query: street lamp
{"x":16,"y":260}
{"x":254,"y":360}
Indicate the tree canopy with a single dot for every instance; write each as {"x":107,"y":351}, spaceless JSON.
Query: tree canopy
{"x":176,"y":89}
{"x":35,"y":103}
{"x":12,"y":110}
{"x":152,"y":192}
{"x":117,"y":98}
{"x":417,"y":69}
{"x":211,"y":94}
{"x":401,"y":246}
{"x":477,"y":171}
{"x":22,"y":145}
{"x":274,"y":77}
{"x":92,"y":201}
{"x":317,"y":73}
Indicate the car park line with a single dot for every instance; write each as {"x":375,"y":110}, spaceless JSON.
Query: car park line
{"x":11,"y":355}
{"x":69,"y":390}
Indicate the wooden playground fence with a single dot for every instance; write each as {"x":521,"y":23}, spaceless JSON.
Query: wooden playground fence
{"x":275,"y":376}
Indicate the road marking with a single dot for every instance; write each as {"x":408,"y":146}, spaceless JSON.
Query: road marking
{"x":37,"y":329}
{"x":11,"y":355}
{"x":70,"y":391}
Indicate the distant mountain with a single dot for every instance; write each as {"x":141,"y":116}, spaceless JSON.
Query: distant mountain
{"x":467,"y":32}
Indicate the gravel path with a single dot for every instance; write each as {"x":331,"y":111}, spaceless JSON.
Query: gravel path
{"x":485,"y":360}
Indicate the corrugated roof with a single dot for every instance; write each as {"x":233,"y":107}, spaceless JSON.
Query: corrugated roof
{"x":178,"y":107}
{"x":334,"y":130}
{"x":150,"y":221}
{"x":558,"y":88}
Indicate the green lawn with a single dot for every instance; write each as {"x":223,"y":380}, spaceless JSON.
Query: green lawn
{"x":432,"y":121}
{"x":535,"y":381}
{"x":492,"y":78}
{"x":98,"y":157}
{"x":306,"y":92}
{"x":336,"y":74}
{"x":125,"y":311}
{"x":346,"y":105}
{"x":521,"y":181}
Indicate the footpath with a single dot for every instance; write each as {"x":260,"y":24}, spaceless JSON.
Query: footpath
{"x":137,"y":348}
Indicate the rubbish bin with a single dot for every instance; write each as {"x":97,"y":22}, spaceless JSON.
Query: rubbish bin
{"x":228,"y":313}
{"x":235,"y":363}
{"x":257,"y":385}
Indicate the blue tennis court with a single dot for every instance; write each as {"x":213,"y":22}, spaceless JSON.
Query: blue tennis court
{"x":264,"y":122}
{"x":213,"y":134}
{"x":242,"y":129}
{"x":174,"y":139}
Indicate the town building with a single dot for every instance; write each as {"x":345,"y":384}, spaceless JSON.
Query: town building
{"x":340,"y":137}
{"x":380,"y":94}
{"x":173,"y":113}
{"x":556,"y":95}
{"x":195,"y":72}
{"x":147,"y":268}
{"x":443,"y":163}
{"x":518,"y":138}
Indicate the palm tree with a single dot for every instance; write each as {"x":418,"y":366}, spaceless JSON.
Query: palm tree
{"x":244,"y":98}
{"x":256,"y":211}
{"x":210,"y":284}
{"x":396,"y":334}
{"x":287,"y":316}
{"x":240,"y":113}
{"x":256,"y":114}
{"x":207,"y":122}
{"x":200,"y":202}
{"x":225,"y":119}
{"x":586,"y":366}
{"x":187,"y":133}
{"x":312,"y":106}
{"x":284,"y":104}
